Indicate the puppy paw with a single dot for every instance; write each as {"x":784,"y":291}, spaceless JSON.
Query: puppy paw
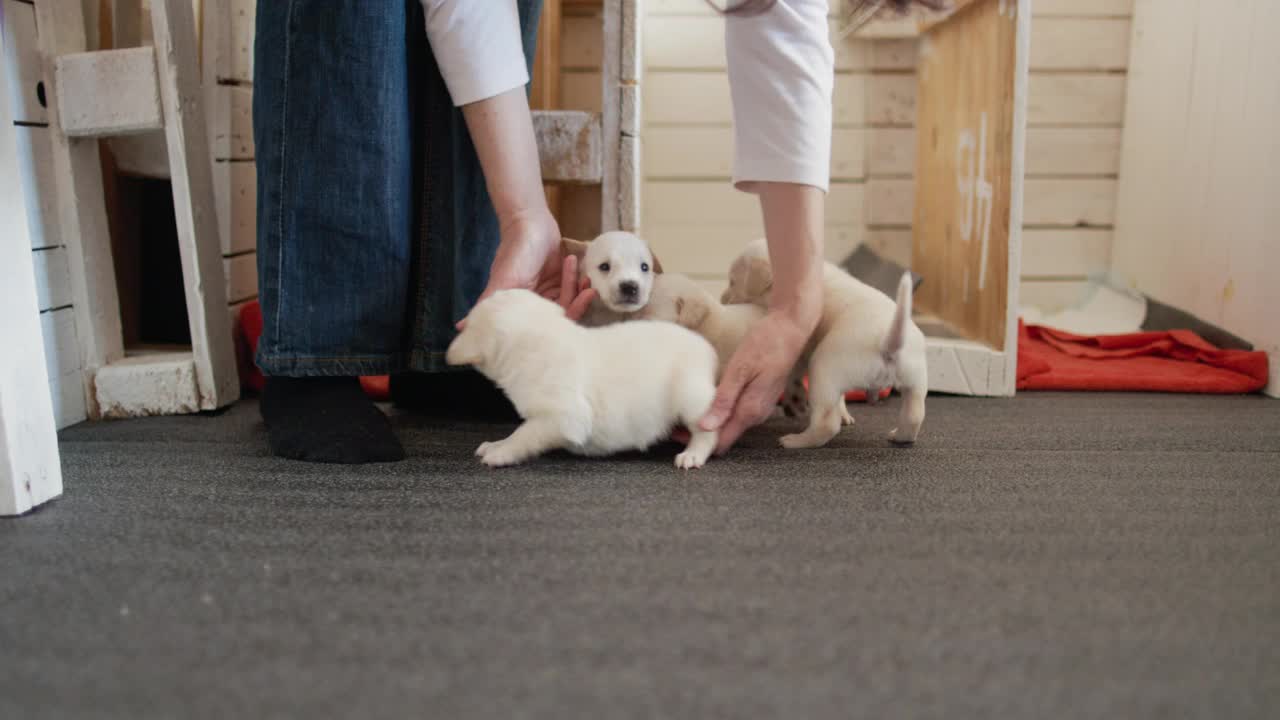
{"x":483,"y":449}
{"x":499,"y":454}
{"x":796,"y":441}
{"x":845,"y":418}
{"x":903,"y":440}
{"x":689,"y":460}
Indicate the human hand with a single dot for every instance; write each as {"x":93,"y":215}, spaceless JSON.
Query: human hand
{"x":755,"y":377}
{"x":530,"y":257}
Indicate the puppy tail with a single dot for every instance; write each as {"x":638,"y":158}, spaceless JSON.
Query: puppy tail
{"x":901,"y":316}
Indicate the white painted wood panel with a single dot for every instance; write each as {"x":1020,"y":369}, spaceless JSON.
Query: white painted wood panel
{"x":35,"y":166}
{"x":243,"y":17}
{"x":1073,"y":98}
{"x":1068,"y":202}
{"x":1051,"y":151}
{"x":231,"y":122}
{"x":108,"y":92}
{"x":1054,"y":253}
{"x":1052,"y":295}
{"x":30,"y":471}
{"x":62,"y":366}
{"x":1057,"y":99}
{"x":1080,"y":44}
{"x":53,"y":281}
{"x":242,"y":277}
{"x":1081,"y":8}
{"x":21,"y":67}
{"x":717,"y":201}
{"x":707,"y":152}
{"x":235,"y":186}
{"x":1198,"y":216}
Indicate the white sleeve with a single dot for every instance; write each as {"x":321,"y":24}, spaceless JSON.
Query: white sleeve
{"x":477,"y":45}
{"x":781,"y":74}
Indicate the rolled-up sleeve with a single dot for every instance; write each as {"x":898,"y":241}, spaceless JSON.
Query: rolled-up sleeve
{"x":781,"y":73}
{"x":477,"y":45}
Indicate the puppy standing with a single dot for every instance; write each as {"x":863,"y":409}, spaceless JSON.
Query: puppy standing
{"x":588,"y":390}
{"x":864,"y":340}
{"x":678,"y":299}
{"x":621,"y":268}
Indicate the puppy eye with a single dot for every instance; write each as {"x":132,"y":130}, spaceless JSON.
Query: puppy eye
{"x":644,"y":267}
{"x":604,"y":267}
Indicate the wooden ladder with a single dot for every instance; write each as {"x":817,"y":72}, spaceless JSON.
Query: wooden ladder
{"x":111,"y":93}
{"x":603,"y":149}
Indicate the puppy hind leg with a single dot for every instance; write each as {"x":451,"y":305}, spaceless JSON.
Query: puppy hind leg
{"x":845,"y":417}
{"x":534,"y":437}
{"x":826,"y":400}
{"x":795,"y":403}
{"x":910,"y":417}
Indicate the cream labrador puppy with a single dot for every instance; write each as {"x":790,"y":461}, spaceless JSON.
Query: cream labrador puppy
{"x":621,"y":268}
{"x":590,"y":391}
{"x":864,"y":341}
{"x":681,"y":300}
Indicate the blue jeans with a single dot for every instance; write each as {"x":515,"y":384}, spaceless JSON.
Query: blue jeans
{"x":375,"y":231}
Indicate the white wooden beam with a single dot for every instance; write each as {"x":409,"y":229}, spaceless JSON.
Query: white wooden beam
{"x":569,"y":146}
{"x":30,"y":470}
{"x":611,"y":79}
{"x":108,"y":92}
{"x":194,"y":202}
{"x":151,"y":384}
{"x":81,"y":208}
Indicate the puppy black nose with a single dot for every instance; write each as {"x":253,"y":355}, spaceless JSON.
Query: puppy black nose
{"x":629,"y":288}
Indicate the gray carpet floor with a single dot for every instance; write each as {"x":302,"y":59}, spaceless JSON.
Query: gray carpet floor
{"x":1053,"y":556}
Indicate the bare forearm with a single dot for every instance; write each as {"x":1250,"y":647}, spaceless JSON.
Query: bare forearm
{"x":793,"y":225}
{"x":501,"y":129}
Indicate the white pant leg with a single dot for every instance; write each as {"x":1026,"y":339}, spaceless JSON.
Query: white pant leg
{"x":781,"y":75}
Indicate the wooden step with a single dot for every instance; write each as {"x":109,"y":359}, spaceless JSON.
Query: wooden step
{"x":569,"y":146}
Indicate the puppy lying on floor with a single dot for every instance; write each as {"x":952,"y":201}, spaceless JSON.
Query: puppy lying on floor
{"x":864,"y":341}
{"x":592,"y":391}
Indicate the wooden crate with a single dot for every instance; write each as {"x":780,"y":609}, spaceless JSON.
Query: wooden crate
{"x":971,"y":122}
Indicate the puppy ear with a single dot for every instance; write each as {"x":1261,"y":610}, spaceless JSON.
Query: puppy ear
{"x":691,"y":312}
{"x":657,"y":264}
{"x":577,"y":248}
{"x":759,"y":278}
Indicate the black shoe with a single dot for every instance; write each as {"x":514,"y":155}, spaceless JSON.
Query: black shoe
{"x":328,"y":420}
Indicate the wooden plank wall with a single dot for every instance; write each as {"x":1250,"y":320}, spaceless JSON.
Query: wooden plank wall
{"x":1080,"y":51}
{"x":1198,"y":217}
{"x":234,"y":172}
{"x":23,"y":82}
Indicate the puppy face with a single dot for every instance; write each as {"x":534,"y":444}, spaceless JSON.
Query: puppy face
{"x":677,"y":299}
{"x":494,"y":320}
{"x":621,"y":269}
{"x":750,"y":276}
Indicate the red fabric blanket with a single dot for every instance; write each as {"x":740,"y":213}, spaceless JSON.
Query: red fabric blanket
{"x":1172,"y":361}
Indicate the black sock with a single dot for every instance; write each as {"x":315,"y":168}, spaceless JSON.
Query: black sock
{"x":326,"y":419}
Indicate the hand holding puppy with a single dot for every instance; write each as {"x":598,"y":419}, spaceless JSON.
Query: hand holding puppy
{"x":755,"y":377}
{"x":527,"y":261}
